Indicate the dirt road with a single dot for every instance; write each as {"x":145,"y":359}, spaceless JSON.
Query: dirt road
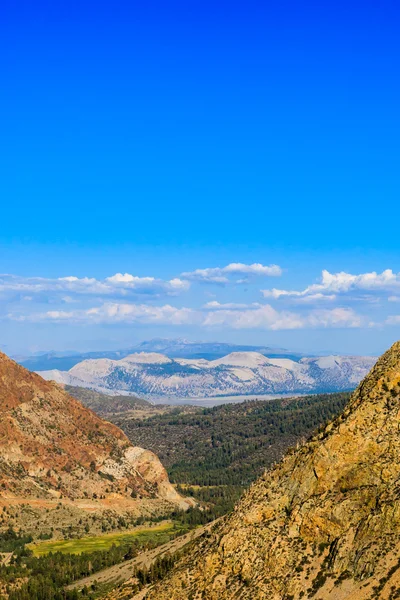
{"x":123,"y":571}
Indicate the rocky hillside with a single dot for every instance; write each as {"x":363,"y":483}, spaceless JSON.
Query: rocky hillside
{"x":324,"y":523}
{"x":240,"y":373}
{"x":51,"y":447}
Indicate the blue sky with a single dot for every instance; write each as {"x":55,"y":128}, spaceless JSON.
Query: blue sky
{"x":155,"y":139}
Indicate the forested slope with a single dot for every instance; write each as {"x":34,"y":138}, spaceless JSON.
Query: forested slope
{"x":215,"y":453}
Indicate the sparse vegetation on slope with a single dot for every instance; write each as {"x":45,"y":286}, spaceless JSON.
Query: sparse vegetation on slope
{"x":103,"y":404}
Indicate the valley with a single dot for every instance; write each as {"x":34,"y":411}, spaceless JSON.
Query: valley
{"x":121,"y":574}
{"x":119,"y":544}
{"x":157,"y":533}
{"x":214,"y":454}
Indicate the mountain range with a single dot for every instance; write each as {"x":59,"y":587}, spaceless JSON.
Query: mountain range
{"x":156,"y":376}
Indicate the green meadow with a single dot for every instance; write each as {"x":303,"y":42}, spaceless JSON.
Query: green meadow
{"x":159,"y":533}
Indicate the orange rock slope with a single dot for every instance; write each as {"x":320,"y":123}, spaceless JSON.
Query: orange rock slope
{"x":53,"y":447}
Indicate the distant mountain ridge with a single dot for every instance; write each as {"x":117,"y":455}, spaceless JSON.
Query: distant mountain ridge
{"x":181,"y":348}
{"x":177,"y":348}
{"x":154,"y":375}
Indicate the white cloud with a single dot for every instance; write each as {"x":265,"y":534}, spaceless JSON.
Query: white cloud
{"x":393,"y":320}
{"x":316,"y":298}
{"x":150,"y":285}
{"x":117,"y":285}
{"x":143,"y":313}
{"x":343,"y":283}
{"x":72,"y":278}
{"x":266,"y":317}
{"x":214,"y":305}
{"x":299,"y":297}
{"x":114,"y":312}
{"x":254,"y":269}
{"x":221,"y":274}
{"x":336,"y":317}
{"x":67,"y":300}
{"x":126,"y":278}
{"x":58,"y":315}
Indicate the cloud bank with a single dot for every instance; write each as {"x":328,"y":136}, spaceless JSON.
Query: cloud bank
{"x":124,"y":298}
{"x":260,"y":317}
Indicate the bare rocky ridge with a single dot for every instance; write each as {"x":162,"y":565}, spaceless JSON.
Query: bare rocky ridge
{"x":52,"y":448}
{"x":324,"y":523}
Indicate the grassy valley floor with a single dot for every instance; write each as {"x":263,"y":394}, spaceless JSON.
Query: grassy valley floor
{"x":47,"y":570}
{"x":156,"y":534}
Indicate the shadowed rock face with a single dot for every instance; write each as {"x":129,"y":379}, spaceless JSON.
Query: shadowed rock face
{"x":324,"y":523}
{"x":51,"y":446}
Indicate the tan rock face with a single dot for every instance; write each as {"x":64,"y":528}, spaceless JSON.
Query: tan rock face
{"x":50,"y":445}
{"x":324,"y":523}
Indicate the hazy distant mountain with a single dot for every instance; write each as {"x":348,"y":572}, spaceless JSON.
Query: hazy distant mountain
{"x":181,"y":348}
{"x":154,"y":375}
{"x":177,"y":348}
{"x":64,"y":360}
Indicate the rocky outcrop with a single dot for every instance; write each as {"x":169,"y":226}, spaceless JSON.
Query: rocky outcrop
{"x":324,"y":523}
{"x":53,"y":447}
